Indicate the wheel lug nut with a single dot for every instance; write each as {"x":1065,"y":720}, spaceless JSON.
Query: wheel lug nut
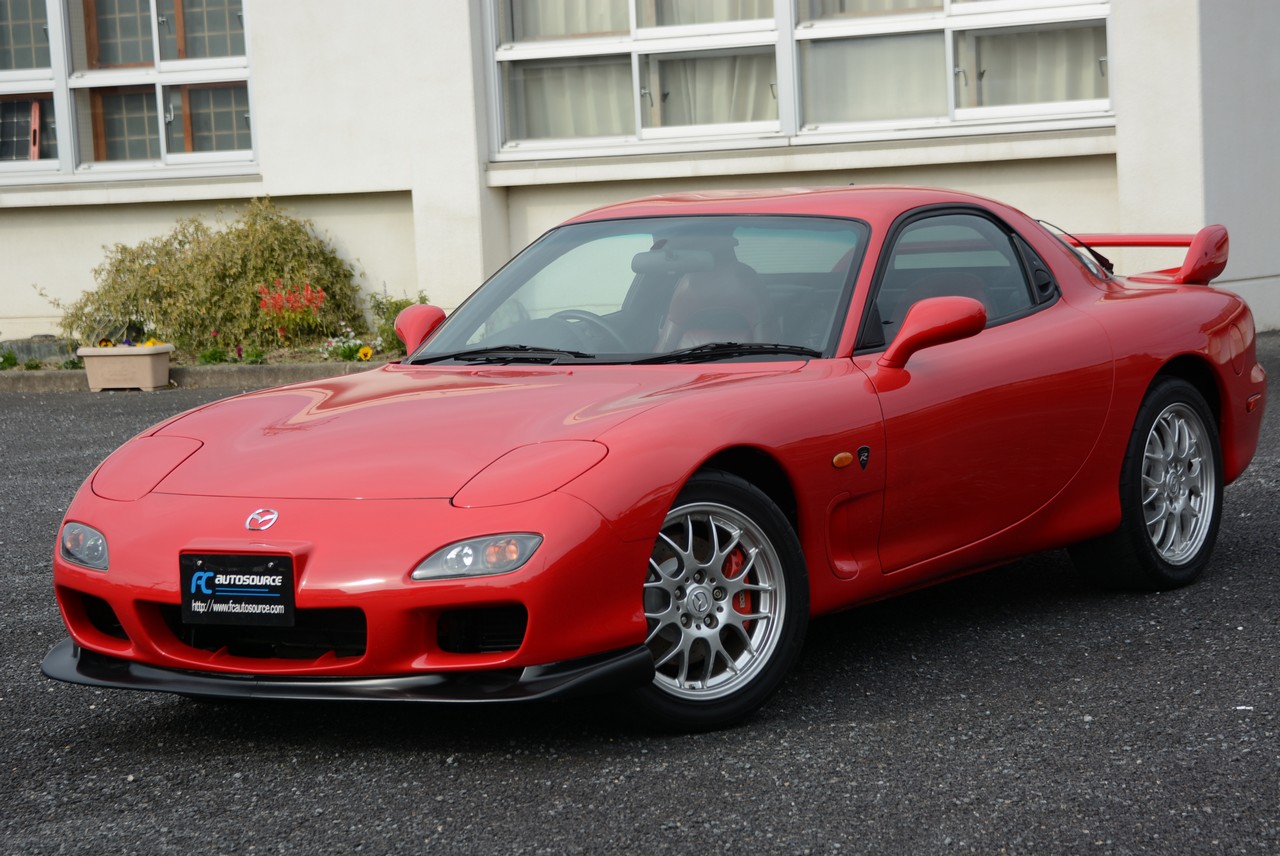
{"x":710,"y":621}
{"x":718,"y":594}
{"x":699,"y":577}
{"x":680,"y":593}
{"x":685,"y":620}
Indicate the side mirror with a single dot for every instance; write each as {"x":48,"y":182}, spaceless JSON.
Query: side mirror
{"x":416,"y":322}
{"x":934,"y":321}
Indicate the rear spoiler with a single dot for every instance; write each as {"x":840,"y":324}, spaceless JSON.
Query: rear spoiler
{"x":1205,"y":261}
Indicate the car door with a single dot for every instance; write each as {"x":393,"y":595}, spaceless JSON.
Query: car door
{"x":982,"y":432}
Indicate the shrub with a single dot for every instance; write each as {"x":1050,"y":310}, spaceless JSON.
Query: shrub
{"x":8,"y":359}
{"x":32,"y":364}
{"x":199,"y":282}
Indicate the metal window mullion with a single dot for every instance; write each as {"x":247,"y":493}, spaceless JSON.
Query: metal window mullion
{"x":155,"y":32}
{"x":786,"y":71}
{"x":64,"y":114}
{"x":949,"y":48}
{"x":637,"y":100}
{"x":489,"y":14}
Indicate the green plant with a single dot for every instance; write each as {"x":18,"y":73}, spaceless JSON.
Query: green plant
{"x":32,"y":364}
{"x":385,"y":309}
{"x":213,"y":355}
{"x":253,"y":356}
{"x":198,"y":279}
{"x":349,"y":347}
{"x":8,"y":359}
{"x":73,"y":363}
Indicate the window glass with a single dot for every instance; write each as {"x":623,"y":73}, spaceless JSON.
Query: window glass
{"x":811,"y":10}
{"x":207,"y":118}
{"x":24,"y":37}
{"x":120,"y":34}
{"x":873,"y":78}
{"x":956,"y":254}
{"x":198,"y":29}
{"x":532,"y":20}
{"x":118,"y":124}
{"x":671,"y":13}
{"x":708,"y":88}
{"x":997,"y":68}
{"x":568,"y":98}
{"x":27,"y":130}
{"x":652,"y":286}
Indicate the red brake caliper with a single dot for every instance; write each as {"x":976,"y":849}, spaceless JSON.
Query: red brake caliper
{"x":743,"y":601}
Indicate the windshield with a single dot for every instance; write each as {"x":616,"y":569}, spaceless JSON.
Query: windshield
{"x":696,"y":288}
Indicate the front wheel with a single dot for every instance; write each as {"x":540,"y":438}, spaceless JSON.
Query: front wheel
{"x":1170,"y":496}
{"x":726,"y":603}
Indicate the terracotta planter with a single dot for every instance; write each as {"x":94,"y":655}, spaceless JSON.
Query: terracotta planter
{"x":127,"y":367}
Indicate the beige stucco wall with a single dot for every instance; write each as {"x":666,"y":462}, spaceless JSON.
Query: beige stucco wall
{"x":1075,"y":193}
{"x":56,"y":249}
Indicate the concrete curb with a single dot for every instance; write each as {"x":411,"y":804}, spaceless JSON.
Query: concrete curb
{"x":238,"y":377}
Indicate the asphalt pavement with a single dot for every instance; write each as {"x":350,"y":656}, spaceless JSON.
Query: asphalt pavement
{"x":1017,"y":711}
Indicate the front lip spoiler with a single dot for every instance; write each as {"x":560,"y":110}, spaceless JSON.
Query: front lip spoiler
{"x":616,"y":670}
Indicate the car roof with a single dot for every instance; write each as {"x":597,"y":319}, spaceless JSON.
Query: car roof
{"x":872,"y":203}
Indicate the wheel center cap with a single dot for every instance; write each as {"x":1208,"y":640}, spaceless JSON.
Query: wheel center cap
{"x":700,"y":600}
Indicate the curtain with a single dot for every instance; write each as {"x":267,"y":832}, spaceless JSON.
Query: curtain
{"x":1031,"y":66}
{"x":711,"y":89}
{"x":667,"y":13}
{"x":817,"y":9}
{"x":559,"y":19}
{"x":874,"y":78}
{"x":584,"y":98}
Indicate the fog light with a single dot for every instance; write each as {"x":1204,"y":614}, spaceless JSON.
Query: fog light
{"x":479,"y":557}
{"x":83,"y":545}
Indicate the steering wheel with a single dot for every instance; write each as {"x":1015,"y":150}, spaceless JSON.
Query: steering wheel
{"x":595,"y":322}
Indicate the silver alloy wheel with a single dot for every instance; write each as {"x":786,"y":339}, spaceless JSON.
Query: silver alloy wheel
{"x":714,"y":599}
{"x":1178,"y":484}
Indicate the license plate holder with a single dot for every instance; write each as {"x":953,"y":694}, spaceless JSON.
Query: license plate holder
{"x":229,"y":589}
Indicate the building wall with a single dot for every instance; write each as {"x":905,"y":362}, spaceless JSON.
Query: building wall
{"x":1077,"y":194}
{"x":1195,"y":132}
{"x":1241,"y":79}
{"x":374,"y":122}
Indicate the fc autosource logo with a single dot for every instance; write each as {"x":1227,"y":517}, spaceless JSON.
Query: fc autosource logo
{"x":262,"y":519}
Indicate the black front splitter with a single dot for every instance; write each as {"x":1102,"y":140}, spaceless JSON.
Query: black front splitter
{"x":617,"y":670}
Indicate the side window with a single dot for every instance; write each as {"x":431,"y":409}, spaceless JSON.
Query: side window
{"x":952,"y":254}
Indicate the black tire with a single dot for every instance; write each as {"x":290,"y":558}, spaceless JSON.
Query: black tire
{"x":1170,"y":496}
{"x":727,"y":603}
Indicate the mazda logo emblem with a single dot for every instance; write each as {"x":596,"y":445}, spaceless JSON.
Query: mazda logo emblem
{"x":262,"y":519}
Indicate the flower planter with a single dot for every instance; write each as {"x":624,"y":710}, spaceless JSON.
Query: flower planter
{"x":127,"y":367}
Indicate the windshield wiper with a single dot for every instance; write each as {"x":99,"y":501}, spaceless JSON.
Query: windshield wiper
{"x":504,"y":354}
{"x":727,"y":350}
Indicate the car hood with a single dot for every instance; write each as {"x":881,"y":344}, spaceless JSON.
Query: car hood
{"x":397,"y":433}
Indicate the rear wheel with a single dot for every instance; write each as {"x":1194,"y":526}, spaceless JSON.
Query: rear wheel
{"x":1170,"y":496}
{"x":726,"y":602}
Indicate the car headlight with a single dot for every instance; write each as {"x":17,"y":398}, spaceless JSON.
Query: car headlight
{"x":83,"y":545}
{"x":478,"y":557}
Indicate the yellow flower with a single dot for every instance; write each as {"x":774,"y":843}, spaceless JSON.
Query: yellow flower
{"x":364,"y":354}
{"x":152,"y":342}
{"x":106,"y":343}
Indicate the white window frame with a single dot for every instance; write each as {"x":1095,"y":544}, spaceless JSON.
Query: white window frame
{"x":785,"y":33}
{"x":65,"y":82}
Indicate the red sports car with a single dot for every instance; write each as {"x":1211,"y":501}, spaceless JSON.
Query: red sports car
{"x":658,"y":441}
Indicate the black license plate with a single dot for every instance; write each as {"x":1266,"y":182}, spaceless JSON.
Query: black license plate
{"x":221,"y":589}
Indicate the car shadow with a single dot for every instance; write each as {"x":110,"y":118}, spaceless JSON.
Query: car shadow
{"x":929,"y":647}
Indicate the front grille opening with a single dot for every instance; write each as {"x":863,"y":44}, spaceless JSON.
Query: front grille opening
{"x":315,"y":634}
{"x":490,"y":630}
{"x":102,"y":617}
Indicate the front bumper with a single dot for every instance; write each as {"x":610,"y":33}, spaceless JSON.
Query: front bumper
{"x":617,"y":670}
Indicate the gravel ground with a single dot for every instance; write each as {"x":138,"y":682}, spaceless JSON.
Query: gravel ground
{"x":1018,"y":711}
